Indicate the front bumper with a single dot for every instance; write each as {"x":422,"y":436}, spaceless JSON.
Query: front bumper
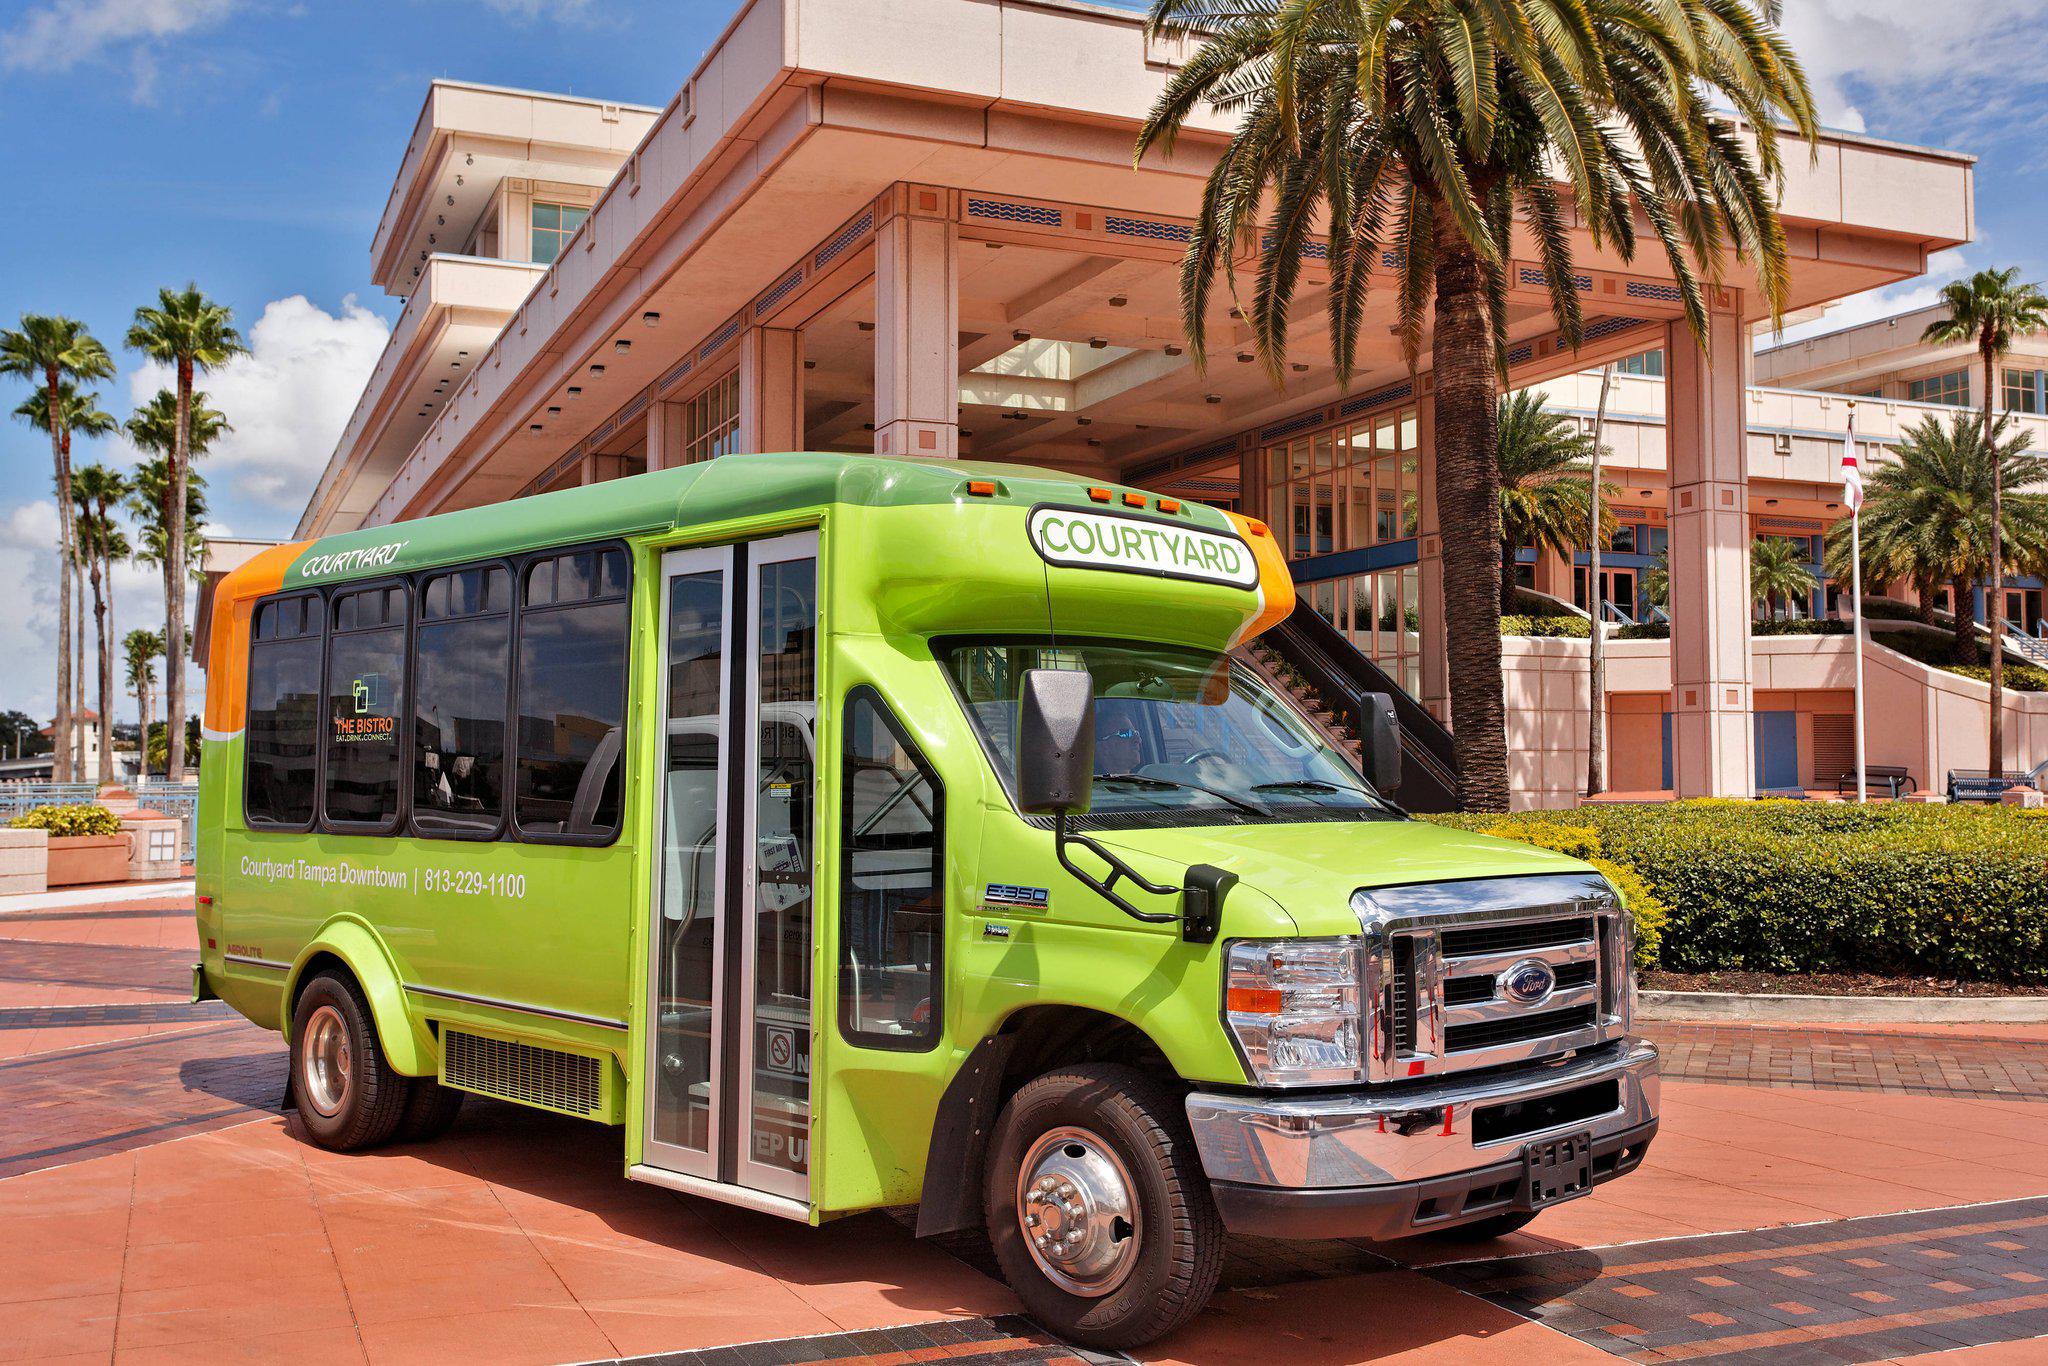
{"x":1400,"y":1160}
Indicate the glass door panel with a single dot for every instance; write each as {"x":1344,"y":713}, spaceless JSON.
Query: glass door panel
{"x":781,"y":833}
{"x":688,"y":940}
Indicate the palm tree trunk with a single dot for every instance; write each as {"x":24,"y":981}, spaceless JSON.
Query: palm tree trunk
{"x":174,"y":556}
{"x":60,"y":458}
{"x":1924,"y":611}
{"x":105,"y":671}
{"x":1596,"y":644}
{"x":1468,"y":511}
{"x":1962,"y":592}
{"x":78,"y":657}
{"x":1995,"y":605}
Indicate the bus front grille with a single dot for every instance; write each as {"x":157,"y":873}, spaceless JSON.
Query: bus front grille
{"x":570,"y":1083}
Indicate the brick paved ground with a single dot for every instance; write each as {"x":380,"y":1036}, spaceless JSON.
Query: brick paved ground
{"x":1915,"y":1062}
{"x":1817,"y":1170}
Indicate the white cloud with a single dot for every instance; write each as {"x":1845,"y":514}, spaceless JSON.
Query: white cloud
{"x":1919,"y":64}
{"x":28,"y":616}
{"x":287,"y":400}
{"x":1887,"y":302}
{"x":58,"y":35}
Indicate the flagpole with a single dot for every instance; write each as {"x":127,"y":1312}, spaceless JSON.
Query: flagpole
{"x":1856,"y":599}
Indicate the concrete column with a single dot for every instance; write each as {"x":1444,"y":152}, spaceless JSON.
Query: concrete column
{"x":771,"y":390}
{"x":664,"y":436}
{"x":1436,"y":668}
{"x":1713,"y":750}
{"x":917,"y":328}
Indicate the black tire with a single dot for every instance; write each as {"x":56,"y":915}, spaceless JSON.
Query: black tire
{"x":430,"y":1109}
{"x":1482,"y":1230}
{"x":1139,"y":1121}
{"x":360,"y":1107}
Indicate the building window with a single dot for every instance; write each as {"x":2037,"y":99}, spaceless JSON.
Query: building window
{"x":365,"y":689}
{"x":1952,"y":388}
{"x":553,"y":226}
{"x":461,"y":663}
{"x":892,"y":900}
{"x":1346,"y":487}
{"x":711,"y":420}
{"x":1646,"y":363}
{"x":2026,"y":391}
{"x":571,"y":686}
{"x":283,"y":737}
{"x":1381,"y":614}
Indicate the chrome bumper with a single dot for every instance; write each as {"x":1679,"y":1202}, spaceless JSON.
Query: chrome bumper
{"x":1395,"y":1146}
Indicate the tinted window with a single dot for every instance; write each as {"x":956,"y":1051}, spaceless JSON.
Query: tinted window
{"x":892,"y":897}
{"x":284,"y":713}
{"x":571,"y":691}
{"x":365,"y":689}
{"x":461,"y":671}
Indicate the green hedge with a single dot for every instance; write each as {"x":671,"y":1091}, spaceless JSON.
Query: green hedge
{"x":1781,"y":886}
{"x":1568,"y":628}
{"x":81,"y":819}
{"x":1934,"y":650}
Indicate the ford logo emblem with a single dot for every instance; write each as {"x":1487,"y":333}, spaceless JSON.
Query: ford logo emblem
{"x":1529,"y":982}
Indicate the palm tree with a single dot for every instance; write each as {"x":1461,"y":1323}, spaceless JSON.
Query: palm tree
{"x":1778,"y":571}
{"x":1418,"y":133}
{"x":1990,"y":309}
{"x":1657,"y":582}
{"x":98,"y":491}
{"x":140,"y":649}
{"x":1927,"y":514}
{"x":1539,"y":505}
{"x":190,"y":333}
{"x":78,"y":413}
{"x":150,"y":428}
{"x":50,"y":350}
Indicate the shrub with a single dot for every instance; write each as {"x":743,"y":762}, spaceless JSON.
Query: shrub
{"x":1799,"y":626}
{"x":60,"y":821}
{"x":1583,"y":842}
{"x":1934,"y":649}
{"x":1645,"y":630}
{"x":1784,"y":886}
{"x":1556,"y":628}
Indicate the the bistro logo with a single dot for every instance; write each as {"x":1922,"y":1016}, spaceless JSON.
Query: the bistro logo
{"x":362,"y":721}
{"x":1089,"y":540}
{"x":350,"y":561}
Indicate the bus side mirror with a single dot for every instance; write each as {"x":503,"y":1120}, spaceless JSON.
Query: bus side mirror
{"x":1382,"y":743}
{"x":1055,"y":741}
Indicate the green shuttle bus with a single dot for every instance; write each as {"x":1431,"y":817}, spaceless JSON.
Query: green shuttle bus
{"x":859,"y":832}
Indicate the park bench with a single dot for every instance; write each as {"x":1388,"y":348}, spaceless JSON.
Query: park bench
{"x":1977,"y":784}
{"x":1882,"y":780}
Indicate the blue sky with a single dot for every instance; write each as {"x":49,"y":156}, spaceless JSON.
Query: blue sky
{"x":249,"y":145}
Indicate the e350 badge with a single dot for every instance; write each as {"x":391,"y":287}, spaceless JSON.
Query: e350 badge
{"x":1013,"y":897}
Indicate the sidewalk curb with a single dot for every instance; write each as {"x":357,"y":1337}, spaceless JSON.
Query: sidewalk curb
{"x":1728,"y":1005}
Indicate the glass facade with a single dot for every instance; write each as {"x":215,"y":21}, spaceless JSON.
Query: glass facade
{"x":2025,"y":391}
{"x":553,"y":226}
{"x":1952,"y":388}
{"x":1346,"y":487}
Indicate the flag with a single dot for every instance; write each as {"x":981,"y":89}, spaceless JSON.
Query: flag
{"x":1852,"y":477}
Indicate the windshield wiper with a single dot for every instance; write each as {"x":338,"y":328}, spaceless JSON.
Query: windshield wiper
{"x":1377,"y":802}
{"x":1147,"y":780}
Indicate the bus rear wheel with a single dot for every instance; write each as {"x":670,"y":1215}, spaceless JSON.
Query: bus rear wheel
{"x":1098,"y":1209}
{"x":348,"y":1096}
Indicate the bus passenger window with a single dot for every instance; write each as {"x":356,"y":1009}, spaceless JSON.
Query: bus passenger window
{"x":283,"y":733}
{"x":571,"y":691}
{"x":892,"y":893}
{"x":461,"y":665}
{"x":365,"y":689}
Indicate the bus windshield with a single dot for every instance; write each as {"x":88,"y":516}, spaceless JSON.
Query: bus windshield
{"x":1182,"y":736}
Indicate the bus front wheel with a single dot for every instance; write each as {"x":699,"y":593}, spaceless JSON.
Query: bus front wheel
{"x":1098,"y":1209}
{"x":348,"y":1095}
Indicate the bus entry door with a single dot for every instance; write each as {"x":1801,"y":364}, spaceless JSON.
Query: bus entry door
{"x":728,"y":1099}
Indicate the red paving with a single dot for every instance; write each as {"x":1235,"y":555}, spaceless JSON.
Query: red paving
{"x":159,"y":1209}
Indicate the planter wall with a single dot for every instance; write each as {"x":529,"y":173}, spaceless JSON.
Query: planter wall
{"x":79,"y":859}
{"x":24,"y":861}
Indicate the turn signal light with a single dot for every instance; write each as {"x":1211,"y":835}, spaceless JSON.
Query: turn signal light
{"x":1254,"y":1000}
{"x":1258,"y":528}
{"x":1099,"y":495}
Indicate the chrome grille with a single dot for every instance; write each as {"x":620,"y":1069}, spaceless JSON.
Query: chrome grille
{"x":1439,"y":957}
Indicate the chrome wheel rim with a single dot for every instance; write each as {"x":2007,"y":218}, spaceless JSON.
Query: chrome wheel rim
{"x":1078,"y":1210}
{"x":327,"y":1062}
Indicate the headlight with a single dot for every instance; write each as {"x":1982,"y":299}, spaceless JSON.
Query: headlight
{"x":1292,"y":1007}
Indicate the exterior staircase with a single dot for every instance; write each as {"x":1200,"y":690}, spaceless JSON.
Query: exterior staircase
{"x":1318,"y":666}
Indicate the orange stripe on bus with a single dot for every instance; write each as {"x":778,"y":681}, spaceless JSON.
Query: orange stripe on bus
{"x":1276,"y":585}
{"x":234,"y":600}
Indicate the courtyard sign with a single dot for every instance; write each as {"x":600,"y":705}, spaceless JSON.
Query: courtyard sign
{"x":1090,"y":540}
